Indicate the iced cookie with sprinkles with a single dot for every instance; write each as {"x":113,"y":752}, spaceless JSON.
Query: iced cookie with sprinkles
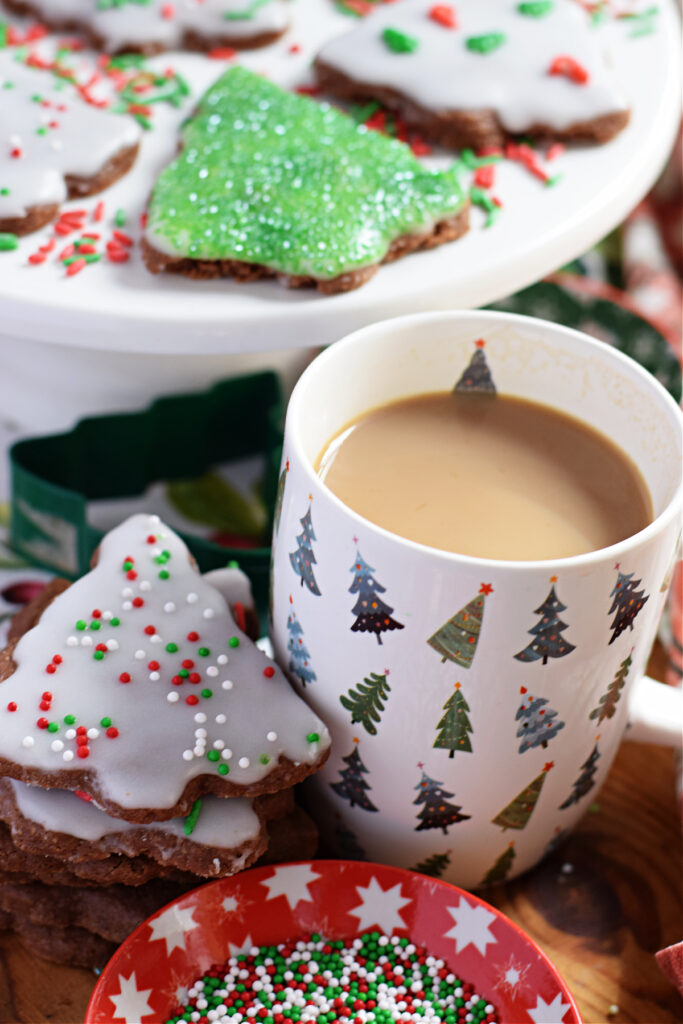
{"x":475,"y":73}
{"x":137,"y":687}
{"x":273,"y":184}
{"x":151,"y":26}
{"x":53,"y":147}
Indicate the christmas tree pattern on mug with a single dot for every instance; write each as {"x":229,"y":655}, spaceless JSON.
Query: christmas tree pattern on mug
{"x":137,"y":687}
{"x":548,"y":642}
{"x":454,"y":725}
{"x":627,"y":601}
{"x":299,"y":656}
{"x":458,"y":638}
{"x":517,"y":813}
{"x":150,"y":26}
{"x":437,"y":812}
{"x":372,"y":614}
{"x":501,"y":868}
{"x":303,"y":558}
{"x":270,"y":183}
{"x":608,"y":702}
{"x":477,"y":375}
{"x":366,"y":701}
{"x":435,"y":865}
{"x":538,"y":722}
{"x":55,"y":146}
{"x":497,"y":72}
{"x":586,"y":780}
{"x":353,"y":786}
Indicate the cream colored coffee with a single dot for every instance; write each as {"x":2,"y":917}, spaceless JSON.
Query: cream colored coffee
{"x":488,"y":476}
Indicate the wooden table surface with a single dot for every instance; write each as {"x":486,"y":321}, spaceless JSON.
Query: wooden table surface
{"x":600,"y":908}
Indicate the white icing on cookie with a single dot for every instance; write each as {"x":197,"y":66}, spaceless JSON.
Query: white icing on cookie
{"x":163,"y":25}
{"x":47,"y":132}
{"x":443,"y":75}
{"x":146,"y":748}
{"x":224,"y":824}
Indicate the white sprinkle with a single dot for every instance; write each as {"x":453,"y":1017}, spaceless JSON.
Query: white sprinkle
{"x":169,"y":606}
{"x":112,"y":645}
{"x":272,"y":736}
{"x":28,"y":742}
{"x":107,"y":615}
{"x":221,"y":719}
{"x":227,"y":684}
{"x":212,"y":671}
{"x":222,"y":659}
{"x":227,"y":753}
{"x":155,"y":638}
{"x":92,"y":734}
{"x":56,"y":745}
{"x":127,"y":592}
{"x":86,"y":641}
{"x":192,"y":598}
{"x":208,"y":613}
{"x":139,"y":655}
{"x":200,"y":717}
{"x":200,"y":733}
{"x":156,"y":552}
{"x":70,"y":734}
{"x":199,"y":750}
{"x":145,"y":585}
{"x":72,"y":641}
{"x":172,"y":696}
{"x":243,"y":762}
{"x":126,"y":606}
{"x":68,"y":755}
{"x":187,"y":755}
{"x":567,"y":869}
{"x":153,"y":520}
{"x":218,"y":744}
{"x":154,"y":676}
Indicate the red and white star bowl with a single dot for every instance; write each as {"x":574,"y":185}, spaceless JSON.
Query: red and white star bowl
{"x":149,"y":974}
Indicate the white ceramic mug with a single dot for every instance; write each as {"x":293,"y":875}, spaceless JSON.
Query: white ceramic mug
{"x":441,"y":758}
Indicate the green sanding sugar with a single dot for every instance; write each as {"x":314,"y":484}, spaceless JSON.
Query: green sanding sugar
{"x":536,"y":8}
{"x":274,"y":178}
{"x":399,"y":42}
{"x":486,"y":43}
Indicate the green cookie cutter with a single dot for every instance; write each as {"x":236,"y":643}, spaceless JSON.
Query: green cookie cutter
{"x":118,"y":456}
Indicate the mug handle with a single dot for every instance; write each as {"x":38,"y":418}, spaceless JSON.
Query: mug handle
{"x":655,"y":713}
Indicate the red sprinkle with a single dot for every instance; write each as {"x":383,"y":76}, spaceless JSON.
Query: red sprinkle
{"x":557,"y":149}
{"x":12,"y":706}
{"x":150,"y":630}
{"x":269,"y":672}
{"x":151,"y":539}
{"x":443,"y":14}
{"x":123,"y":238}
{"x":112,"y":732}
{"x":570,"y":68}
{"x":194,"y":677}
{"x":83,"y":752}
{"x":98,"y":213}
{"x":83,"y":796}
{"x":44,"y":705}
{"x":124,"y":677}
{"x":37,"y":257}
{"x":191,"y":699}
{"x":42,"y":723}
{"x":153,"y":666}
{"x":295,"y":48}
{"x":47,"y":695}
{"x":75,"y":267}
{"x":193,"y":637}
{"x":222,"y":53}
{"x":485,"y":176}
{"x":50,"y":669}
{"x":137,"y":601}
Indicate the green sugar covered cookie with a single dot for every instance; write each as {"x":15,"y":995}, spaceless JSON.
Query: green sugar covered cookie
{"x":271,"y":183}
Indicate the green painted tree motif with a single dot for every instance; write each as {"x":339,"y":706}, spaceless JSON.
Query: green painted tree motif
{"x":519,"y":810}
{"x":454,"y":725}
{"x":608,"y":702}
{"x":435,"y":865}
{"x":366,"y":701}
{"x":501,"y":869}
{"x":458,"y":638}
{"x":548,"y":641}
{"x":627,"y":601}
{"x":585,"y":781}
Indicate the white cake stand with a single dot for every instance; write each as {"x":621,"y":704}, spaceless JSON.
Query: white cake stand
{"x":112,"y":310}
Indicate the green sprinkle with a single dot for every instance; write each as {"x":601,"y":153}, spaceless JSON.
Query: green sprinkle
{"x":207,"y":693}
{"x":233,"y":642}
{"x":127,"y":566}
{"x":536,"y":8}
{"x":213,"y":755}
{"x":4,"y":192}
{"x":203,"y":652}
{"x":549,"y":182}
{"x":487,"y":43}
{"x":400,"y":42}
{"x":81,"y":624}
{"x":115,"y":622}
{"x":171,"y":648}
{"x":223,"y":768}
{"x":52,"y":727}
{"x":184,"y":673}
{"x":3,"y":34}
{"x":264,"y":759}
{"x":120,"y":218}
{"x":8,"y":241}
{"x":98,"y":655}
{"x":96,"y":624}
{"x":472,"y":162}
{"x":105,"y":722}
{"x":191,"y":819}
{"x":312,"y":737}
{"x":164,"y":574}
{"x":247,"y":14}
{"x":233,"y":564}
{"x":69,"y":719}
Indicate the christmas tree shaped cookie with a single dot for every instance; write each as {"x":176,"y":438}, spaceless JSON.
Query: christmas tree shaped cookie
{"x":148,"y":26}
{"x":137,"y":687}
{"x":54,"y":146}
{"x":493,"y":69}
{"x":270,"y":183}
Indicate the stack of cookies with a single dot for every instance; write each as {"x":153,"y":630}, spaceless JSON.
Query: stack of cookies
{"x":146,"y":745}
